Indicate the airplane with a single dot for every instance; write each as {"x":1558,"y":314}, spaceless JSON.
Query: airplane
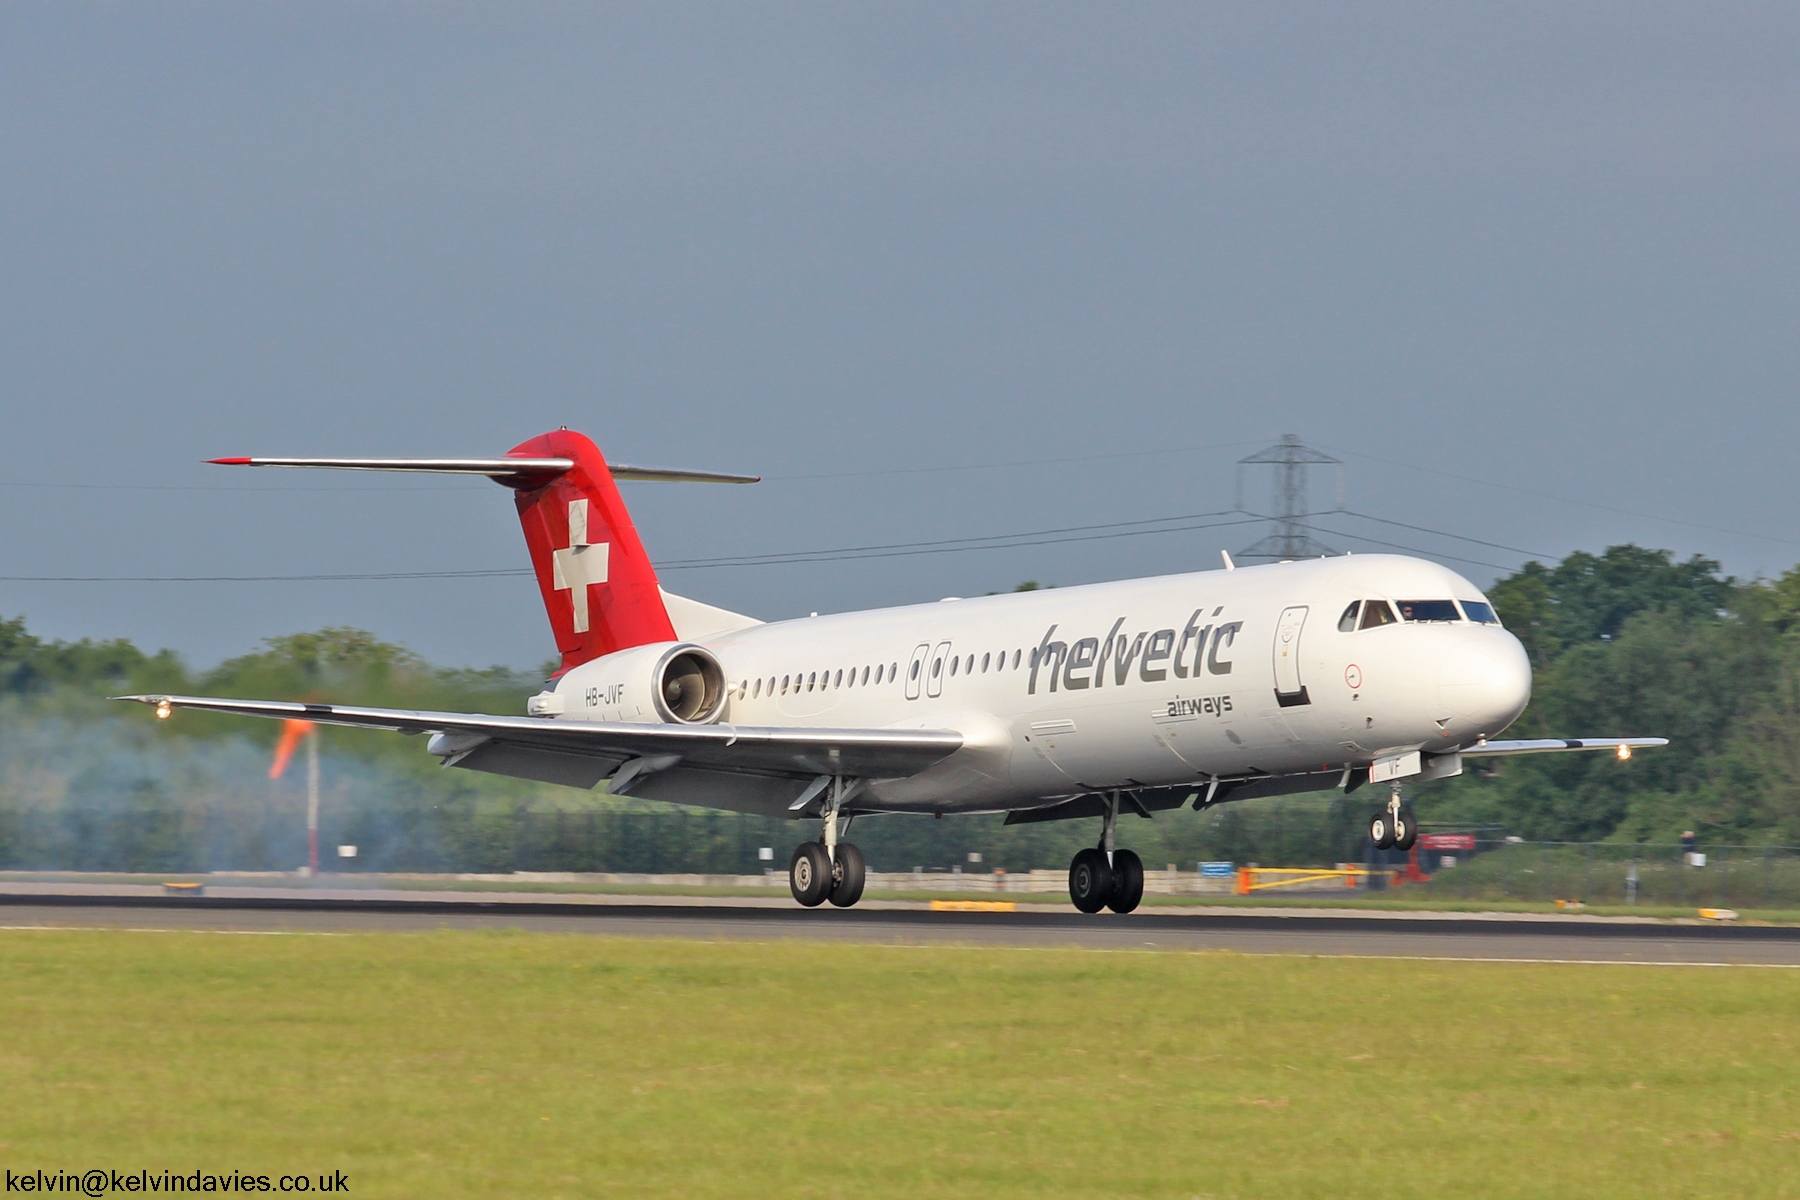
{"x":1109,"y":699}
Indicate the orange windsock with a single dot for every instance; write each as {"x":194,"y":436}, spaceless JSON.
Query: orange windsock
{"x":291,"y":733}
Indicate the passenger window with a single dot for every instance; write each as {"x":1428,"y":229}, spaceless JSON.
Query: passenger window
{"x":1480,"y":613}
{"x":1347,"y":622}
{"x":1016,"y":654}
{"x":955,"y":663}
{"x":866,"y":677}
{"x":1376,"y":612}
{"x":985,"y":660}
{"x":969,"y":667}
{"x":756,"y":692}
{"x":784,"y":685}
{"x":810,"y":681}
{"x":893,"y":672}
{"x":915,"y":670}
{"x":839,"y":679}
{"x":1428,"y":610}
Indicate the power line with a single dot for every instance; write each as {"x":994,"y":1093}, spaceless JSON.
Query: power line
{"x":1474,"y":562}
{"x":1524,"y":491}
{"x":1180,"y":523}
{"x":827,"y":556}
{"x":1023,"y":462}
{"x":991,"y":542}
{"x":1075,"y":533}
{"x":1445,"y":533}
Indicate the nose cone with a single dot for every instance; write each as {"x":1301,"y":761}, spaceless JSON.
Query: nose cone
{"x":1484,"y":682}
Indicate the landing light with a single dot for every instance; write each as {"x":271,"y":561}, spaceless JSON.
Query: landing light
{"x":163,"y":709}
{"x":1624,"y":753}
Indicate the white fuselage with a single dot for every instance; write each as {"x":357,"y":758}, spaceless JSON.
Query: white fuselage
{"x":1162,"y":682}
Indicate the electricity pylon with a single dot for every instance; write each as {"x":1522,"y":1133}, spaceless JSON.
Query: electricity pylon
{"x":1290,"y":458}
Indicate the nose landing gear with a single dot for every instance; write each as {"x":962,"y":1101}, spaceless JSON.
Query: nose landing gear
{"x":1102,"y":877}
{"x":1395,"y":826}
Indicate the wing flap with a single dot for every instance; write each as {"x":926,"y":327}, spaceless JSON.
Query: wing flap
{"x":767,"y":750}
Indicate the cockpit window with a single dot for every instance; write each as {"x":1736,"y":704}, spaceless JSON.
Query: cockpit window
{"x":1428,"y":610}
{"x":1347,"y":622}
{"x":1376,"y":612}
{"x":1480,"y":613}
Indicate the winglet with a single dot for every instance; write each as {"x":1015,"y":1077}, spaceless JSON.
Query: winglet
{"x":1229,"y":565}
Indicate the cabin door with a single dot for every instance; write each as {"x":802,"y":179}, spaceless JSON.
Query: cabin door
{"x":1290,"y":692}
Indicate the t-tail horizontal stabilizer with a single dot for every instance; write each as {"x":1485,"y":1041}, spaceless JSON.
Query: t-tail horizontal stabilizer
{"x":599,"y":588}
{"x":511,"y":472}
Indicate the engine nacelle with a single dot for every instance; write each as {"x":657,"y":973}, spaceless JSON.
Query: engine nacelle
{"x":674,"y":682}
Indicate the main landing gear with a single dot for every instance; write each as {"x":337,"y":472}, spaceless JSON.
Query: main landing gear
{"x":1103,"y":877}
{"x":1394,"y":827}
{"x":828,"y":870}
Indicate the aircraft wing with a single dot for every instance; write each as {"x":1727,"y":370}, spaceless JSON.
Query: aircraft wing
{"x":1622,"y":746}
{"x":581,"y":753}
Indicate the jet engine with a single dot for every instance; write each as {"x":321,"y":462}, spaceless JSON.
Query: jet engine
{"x":676,"y":682}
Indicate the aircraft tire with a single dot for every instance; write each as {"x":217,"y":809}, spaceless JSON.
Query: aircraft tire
{"x":1128,"y":881}
{"x":1406,"y":830}
{"x":852,"y":871}
{"x":1381,"y":830}
{"x":809,"y":874}
{"x":1090,"y":880}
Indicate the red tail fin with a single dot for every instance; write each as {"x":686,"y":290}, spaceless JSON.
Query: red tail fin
{"x":599,"y":587}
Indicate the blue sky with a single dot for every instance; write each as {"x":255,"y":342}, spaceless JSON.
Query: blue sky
{"x":937,"y":271}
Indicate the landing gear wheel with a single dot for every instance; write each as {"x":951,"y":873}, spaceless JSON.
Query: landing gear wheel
{"x":1128,"y":881}
{"x":1381,"y":830}
{"x":809,"y":874}
{"x":848,"y":874}
{"x":1406,"y":829}
{"x":1090,"y":881}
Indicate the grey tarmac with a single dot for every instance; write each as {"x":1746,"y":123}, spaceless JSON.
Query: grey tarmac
{"x":1385,"y":935}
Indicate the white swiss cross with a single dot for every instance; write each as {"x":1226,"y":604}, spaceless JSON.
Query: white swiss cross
{"x":581,"y":564}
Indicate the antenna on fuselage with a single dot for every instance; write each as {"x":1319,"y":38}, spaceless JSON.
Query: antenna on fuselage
{"x":1290,"y":457}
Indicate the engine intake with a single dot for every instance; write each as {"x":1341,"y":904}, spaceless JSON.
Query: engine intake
{"x":689,"y":686}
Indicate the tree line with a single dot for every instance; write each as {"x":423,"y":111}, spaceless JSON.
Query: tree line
{"x":1630,"y":641}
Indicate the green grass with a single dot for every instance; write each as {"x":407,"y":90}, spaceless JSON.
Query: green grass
{"x":482,"y":1064}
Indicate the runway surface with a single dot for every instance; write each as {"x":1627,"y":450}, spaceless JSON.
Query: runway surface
{"x":1499,"y":937}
